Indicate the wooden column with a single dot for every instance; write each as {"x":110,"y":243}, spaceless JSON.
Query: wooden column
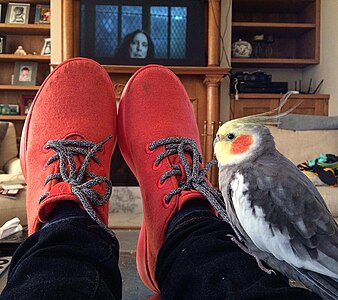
{"x":67,"y":29}
{"x":213,"y":32}
{"x":213,"y":84}
{"x":213,"y":94}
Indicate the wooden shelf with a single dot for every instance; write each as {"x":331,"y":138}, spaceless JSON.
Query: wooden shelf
{"x":272,"y":62}
{"x":12,"y":118}
{"x":292,"y":26}
{"x":276,"y":29}
{"x":25,"y":1}
{"x":25,"y":29}
{"x":8,"y":87}
{"x":29,"y":57}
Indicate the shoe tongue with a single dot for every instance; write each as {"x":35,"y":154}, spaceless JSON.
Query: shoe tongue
{"x":176,"y":160}
{"x":60,"y":188}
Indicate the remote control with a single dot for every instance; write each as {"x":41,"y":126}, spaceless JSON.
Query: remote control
{"x":4,"y":263}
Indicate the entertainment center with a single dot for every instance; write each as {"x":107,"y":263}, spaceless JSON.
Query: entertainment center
{"x":201,"y":82}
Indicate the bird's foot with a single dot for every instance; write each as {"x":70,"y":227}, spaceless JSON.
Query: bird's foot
{"x":261,"y":266}
{"x":247,"y":250}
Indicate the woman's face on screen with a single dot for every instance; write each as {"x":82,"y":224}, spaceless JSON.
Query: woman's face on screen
{"x":138,"y":47}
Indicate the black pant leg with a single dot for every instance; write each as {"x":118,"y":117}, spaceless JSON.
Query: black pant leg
{"x":69,"y":259}
{"x":199,"y":261}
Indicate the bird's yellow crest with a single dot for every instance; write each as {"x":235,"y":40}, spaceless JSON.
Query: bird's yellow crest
{"x":242,"y":138}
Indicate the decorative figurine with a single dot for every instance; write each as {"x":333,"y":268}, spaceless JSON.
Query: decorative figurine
{"x":20,"y":51}
{"x":241,"y":49}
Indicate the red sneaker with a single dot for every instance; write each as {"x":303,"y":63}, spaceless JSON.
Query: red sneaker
{"x":159,"y":139}
{"x":65,"y":148}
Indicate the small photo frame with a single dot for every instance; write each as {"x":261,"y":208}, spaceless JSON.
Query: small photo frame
{"x":46,"y":49}
{"x":17,"y":13}
{"x":2,"y":44}
{"x":9,"y":109}
{"x":42,"y":14}
{"x":26,"y":102}
{"x":25,"y":73}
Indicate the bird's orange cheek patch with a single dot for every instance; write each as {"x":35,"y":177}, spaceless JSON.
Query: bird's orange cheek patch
{"x":241,"y":144}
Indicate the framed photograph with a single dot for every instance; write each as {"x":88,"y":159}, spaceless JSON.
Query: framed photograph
{"x":46,"y":49}
{"x":26,"y":102}
{"x":2,"y":44}
{"x":42,"y":14}
{"x":17,"y":13}
{"x":9,"y":109}
{"x":25,"y":73}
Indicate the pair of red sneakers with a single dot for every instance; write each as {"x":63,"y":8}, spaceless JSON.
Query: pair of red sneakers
{"x":70,"y":134}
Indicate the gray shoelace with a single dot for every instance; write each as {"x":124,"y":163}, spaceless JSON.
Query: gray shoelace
{"x":195,"y":175}
{"x":65,"y":151}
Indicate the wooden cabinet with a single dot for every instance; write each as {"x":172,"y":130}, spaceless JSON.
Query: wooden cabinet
{"x":250,"y":104}
{"x":290,"y":28}
{"x":31,"y":37}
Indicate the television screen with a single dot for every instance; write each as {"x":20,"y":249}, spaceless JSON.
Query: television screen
{"x":136,"y":32}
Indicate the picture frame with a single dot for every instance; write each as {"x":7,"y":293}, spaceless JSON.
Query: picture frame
{"x":9,"y":109}
{"x":2,"y":44}
{"x":46,"y":49}
{"x":42,"y":14}
{"x":17,"y":13}
{"x":25,"y":73}
{"x":26,"y":102}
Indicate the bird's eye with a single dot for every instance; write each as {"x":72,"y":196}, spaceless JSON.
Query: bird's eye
{"x":230,"y":136}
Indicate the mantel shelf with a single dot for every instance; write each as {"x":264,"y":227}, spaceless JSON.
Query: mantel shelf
{"x":179,"y":70}
{"x":25,"y":29}
{"x":10,"y":87}
{"x":176,"y":69}
{"x":12,"y":118}
{"x":28,"y":57}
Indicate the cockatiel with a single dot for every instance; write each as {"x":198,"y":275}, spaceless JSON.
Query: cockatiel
{"x":278,"y":215}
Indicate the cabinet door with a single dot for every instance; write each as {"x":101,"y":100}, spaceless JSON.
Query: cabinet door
{"x":246,"y":107}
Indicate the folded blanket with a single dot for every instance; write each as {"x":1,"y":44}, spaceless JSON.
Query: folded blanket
{"x":307,"y":122}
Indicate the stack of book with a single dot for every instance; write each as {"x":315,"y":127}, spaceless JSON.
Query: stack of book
{"x":10,"y":189}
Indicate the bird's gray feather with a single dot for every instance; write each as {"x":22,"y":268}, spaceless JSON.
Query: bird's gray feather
{"x":293,"y":206}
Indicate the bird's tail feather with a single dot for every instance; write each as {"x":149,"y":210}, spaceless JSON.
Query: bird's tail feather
{"x":322,"y":285}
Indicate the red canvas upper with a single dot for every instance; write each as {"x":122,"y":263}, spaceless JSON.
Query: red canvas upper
{"x":75,"y":102}
{"x":155,"y":105}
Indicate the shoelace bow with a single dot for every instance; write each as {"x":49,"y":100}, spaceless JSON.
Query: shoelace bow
{"x":65,"y":151}
{"x":195,"y":175}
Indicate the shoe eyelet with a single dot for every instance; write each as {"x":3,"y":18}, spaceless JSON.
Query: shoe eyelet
{"x":149,"y":151}
{"x":45,"y":149}
{"x":164,"y":203}
{"x":155,"y":168}
{"x":160,"y":184}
